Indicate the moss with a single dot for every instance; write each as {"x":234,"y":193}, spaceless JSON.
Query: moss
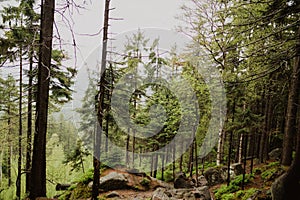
{"x":224,"y":189}
{"x":245,"y":194}
{"x":145,"y":182}
{"x":86,"y":177}
{"x":81,"y":191}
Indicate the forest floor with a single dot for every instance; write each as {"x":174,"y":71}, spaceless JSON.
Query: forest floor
{"x":257,"y":182}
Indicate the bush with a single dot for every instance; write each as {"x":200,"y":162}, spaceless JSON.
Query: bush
{"x":168,"y":176}
{"x":239,"y":179}
{"x":266,"y":175}
{"x":145,"y":182}
{"x":245,"y":194}
{"x":224,"y":189}
{"x":86,"y":177}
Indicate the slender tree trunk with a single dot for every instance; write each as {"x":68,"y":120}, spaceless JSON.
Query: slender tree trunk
{"x":191,"y":159}
{"x":219,"y":153}
{"x":162,"y":166}
{"x":38,"y":170}
{"x":245,"y":159}
{"x":18,"y":182}
{"x":9,"y":150}
{"x":230,"y":144}
{"x":286,"y":187}
{"x":1,"y":166}
{"x":29,"y":123}
{"x":100,"y":110}
{"x":127,"y":149}
{"x":174,"y":163}
{"x":291,"y":113}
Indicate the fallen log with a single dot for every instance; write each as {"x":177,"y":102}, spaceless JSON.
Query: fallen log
{"x":60,"y":187}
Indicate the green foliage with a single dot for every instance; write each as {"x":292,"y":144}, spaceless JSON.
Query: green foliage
{"x":237,"y":181}
{"x":245,"y":194}
{"x":82,"y":191}
{"x":86,"y":177}
{"x":76,"y":157}
{"x":145,"y":182}
{"x":266,"y":175}
{"x":225,"y":190}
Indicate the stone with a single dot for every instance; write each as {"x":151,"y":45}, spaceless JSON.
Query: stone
{"x":237,"y":169}
{"x":218,"y":175}
{"x":213,"y":176}
{"x":113,"y":181}
{"x":181,"y":181}
{"x":113,"y":194}
{"x":159,"y":194}
{"x":275,"y":154}
{"x":202,"y":181}
{"x":200,"y":193}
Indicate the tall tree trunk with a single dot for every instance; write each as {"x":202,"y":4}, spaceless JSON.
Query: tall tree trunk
{"x":100,"y":110}
{"x":29,"y":122}
{"x":240,"y":148}
{"x":230,"y":144}
{"x":286,"y":187}
{"x":9,"y":150}
{"x":291,"y":114}
{"x":38,"y":170}
{"x":18,"y":182}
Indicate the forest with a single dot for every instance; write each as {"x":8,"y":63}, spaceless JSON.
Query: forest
{"x":217,"y":117}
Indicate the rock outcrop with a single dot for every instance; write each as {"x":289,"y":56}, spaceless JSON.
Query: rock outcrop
{"x":218,"y":175}
{"x":199,"y":193}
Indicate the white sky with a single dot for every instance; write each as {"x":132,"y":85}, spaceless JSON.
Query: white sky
{"x":135,"y":14}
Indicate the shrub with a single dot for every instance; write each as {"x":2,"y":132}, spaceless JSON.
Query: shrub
{"x":145,"y":182}
{"x":239,"y":179}
{"x":266,"y":175}
{"x":224,"y":189}
{"x":86,"y":177}
{"x":245,"y":194}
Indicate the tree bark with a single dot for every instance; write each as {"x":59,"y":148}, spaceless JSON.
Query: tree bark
{"x":100,"y":109}
{"x":291,"y":114}
{"x":18,"y":181}
{"x":29,"y":123}
{"x":286,"y":187}
{"x":38,"y":170}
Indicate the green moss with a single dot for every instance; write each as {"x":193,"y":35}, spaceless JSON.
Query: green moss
{"x":86,"y":177}
{"x":228,"y":197}
{"x":239,"y":179}
{"x":224,"y":189}
{"x":80,"y":192}
{"x":145,"y":182}
{"x":245,"y":194}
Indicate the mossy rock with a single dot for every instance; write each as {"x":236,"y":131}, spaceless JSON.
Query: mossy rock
{"x":82,"y":191}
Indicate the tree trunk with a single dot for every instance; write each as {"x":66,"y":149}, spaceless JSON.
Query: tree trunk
{"x":291,"y":114}
{"x":9,"y":150}
{"x":18,"y":181}
{"x":230,"y":145}
{"x":29,"y":123}
{"x":100,"y":108}
{"x":38,"y":170}
{"x":286,"y":187}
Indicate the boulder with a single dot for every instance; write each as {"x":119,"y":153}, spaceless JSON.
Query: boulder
{"x":213,"y":176}
{"x":237,"y":169}
{"x":159,"y":194}
{"x":275,"y":154}
{"x":202,"y":181}
{"x":114,"y":181}
{"x":181,"y":181}
{"x":201,"y":193}
{"x":218,"y":175}
{"x":113,"y":194}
